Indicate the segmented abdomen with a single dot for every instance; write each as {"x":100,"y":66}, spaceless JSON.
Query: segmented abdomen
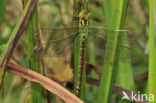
{"x":81,"y":64}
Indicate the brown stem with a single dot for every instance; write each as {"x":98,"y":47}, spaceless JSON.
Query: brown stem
{"x":50,"y":85}
{"x":6,"y":55}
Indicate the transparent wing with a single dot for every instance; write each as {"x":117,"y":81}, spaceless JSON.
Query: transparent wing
{"x":100,"y":31}
{"x":98,"y":39}
{"x":55,"y":41}
{"x":56,"y":45}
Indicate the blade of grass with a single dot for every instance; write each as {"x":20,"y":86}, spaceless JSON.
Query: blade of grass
{"x":3,"y":5}
{"x":38,"y":93}
{"x":107,"y":10}
{"x":124,"y":69}
{"x":152,"y":49}
{"x":123,"y":65}
{"x":91,"y":90}
{"x":108,"y":74}
{"x":76,"y":46}
{"x":16,"y":34}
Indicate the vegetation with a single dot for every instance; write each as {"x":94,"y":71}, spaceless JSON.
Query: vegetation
{"x":75,"y":51}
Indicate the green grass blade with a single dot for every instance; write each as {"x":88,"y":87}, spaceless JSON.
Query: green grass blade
{"x":91,"y":90}
{"x":107,"y":10}
{"x":76,"y":46}
{"x":83,"y":82}
{"x":76,"y":61}
{"x":152,"y":49}
{"x":38,"y":93}
{"x":3,"y":5}
{"x":17,"y":32}
{"x":108,"y":74}
{"x":124,"y":69}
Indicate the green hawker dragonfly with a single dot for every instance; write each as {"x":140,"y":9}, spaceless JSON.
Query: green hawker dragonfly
{"x":61,"y":39}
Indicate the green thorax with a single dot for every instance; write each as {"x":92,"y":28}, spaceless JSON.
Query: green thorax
{"x":84,"y":22}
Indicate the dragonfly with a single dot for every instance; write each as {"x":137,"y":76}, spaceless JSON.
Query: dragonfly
{"x":61,"y":39}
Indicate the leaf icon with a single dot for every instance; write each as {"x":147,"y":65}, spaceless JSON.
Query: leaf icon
{"x":125,"y":96}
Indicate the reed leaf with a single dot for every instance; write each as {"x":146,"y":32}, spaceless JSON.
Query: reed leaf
{"x":152,"y":50}
{"x":3,"y":5}
{"x":16,"y":34}
{"x":124,"y":70}
{"x":38,"y":92}
{"x":76,"y":45}
{"x":108,"y":74}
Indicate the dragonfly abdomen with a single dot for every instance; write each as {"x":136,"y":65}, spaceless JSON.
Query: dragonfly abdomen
{"x":81,"y":64}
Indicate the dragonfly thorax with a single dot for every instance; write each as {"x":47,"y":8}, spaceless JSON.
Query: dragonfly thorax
{"x":84,"y":15}
{"x":84,"y":18}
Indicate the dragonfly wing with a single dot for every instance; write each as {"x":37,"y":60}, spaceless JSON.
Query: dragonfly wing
{"x":54,"y":30}
{"x":54,"y":41}
{"x":121,"y":40}
{"x":103,"y":32}
{"x":99,"y":40}
{"x":56,"y":47}
{"x":95,"y":49}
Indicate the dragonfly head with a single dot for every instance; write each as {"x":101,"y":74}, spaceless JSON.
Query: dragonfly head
{"x":84,"y":16}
